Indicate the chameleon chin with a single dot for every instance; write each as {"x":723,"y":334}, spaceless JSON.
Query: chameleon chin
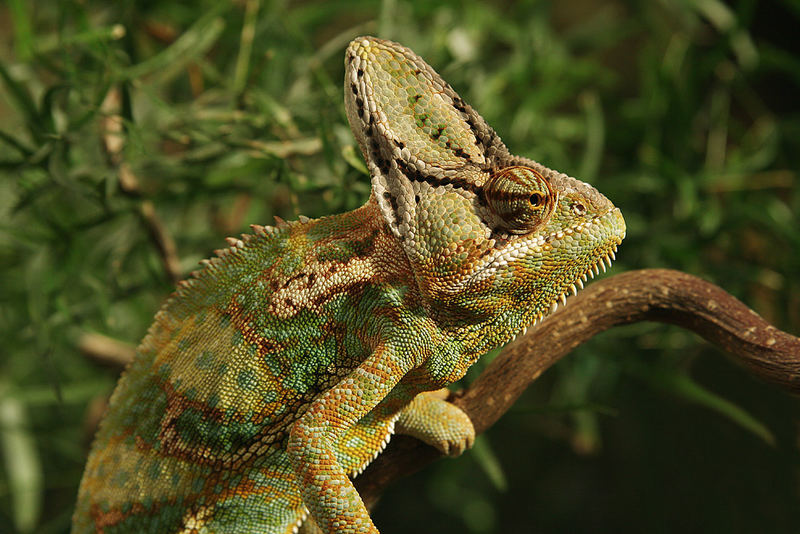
{"x":283,"y":365}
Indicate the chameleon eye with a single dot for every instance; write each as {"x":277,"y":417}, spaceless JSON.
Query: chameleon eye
{"x":519,"y":196}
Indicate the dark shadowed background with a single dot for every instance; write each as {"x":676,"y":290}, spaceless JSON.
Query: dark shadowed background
{"x":683,"y":112}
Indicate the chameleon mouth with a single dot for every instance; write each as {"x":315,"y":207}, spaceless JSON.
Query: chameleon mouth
{"x":612,"y":234}
{"x":600,"y":265}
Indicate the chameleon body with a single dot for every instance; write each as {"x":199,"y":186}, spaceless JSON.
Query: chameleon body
{"x":282,"y":367}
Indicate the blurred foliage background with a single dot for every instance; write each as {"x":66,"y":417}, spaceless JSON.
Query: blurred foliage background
{"x":135,"y":135}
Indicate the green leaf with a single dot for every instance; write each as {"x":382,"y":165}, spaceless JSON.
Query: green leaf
{"x":353,"y":159}
{"x":21,"y":95}
{"x":18,"y":144}
{"x":595,"y":135}
{"x":683,"y":386}
{"x":22,"y":465}
{"x":485,"y":456}
{"x":192,"y":44}
{"x":23,"y":36}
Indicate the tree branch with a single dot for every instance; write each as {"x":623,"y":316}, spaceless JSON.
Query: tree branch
{"x":647,"y":295}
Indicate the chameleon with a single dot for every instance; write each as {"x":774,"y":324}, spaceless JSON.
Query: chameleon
{"x":281,"y":368}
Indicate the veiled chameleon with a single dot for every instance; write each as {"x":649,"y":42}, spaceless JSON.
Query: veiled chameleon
{"x":283,"y":366}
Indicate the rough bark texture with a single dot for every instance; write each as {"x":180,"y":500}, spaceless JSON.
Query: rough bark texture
{"x":647,"y":295}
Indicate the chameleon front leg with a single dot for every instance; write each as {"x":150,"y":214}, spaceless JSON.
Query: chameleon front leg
{"x":362,"y":442}
{"x":427,"y":416}
{"x":327,"y":491}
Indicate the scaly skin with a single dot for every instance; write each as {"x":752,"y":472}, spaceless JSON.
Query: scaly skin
{"x":283,"y":366}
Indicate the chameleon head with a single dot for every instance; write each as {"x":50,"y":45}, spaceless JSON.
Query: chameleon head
{"x":550,"y":233}
{"x":492,"y":238}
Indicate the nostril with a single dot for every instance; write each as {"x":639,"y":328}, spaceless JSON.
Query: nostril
{"x":578,"y":208}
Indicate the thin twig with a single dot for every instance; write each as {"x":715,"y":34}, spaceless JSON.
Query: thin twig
{"x":106,"y":350}
{"x":113,"y":136}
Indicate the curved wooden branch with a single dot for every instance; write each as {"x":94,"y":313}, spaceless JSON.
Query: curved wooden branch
{"x":647,"y":295}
